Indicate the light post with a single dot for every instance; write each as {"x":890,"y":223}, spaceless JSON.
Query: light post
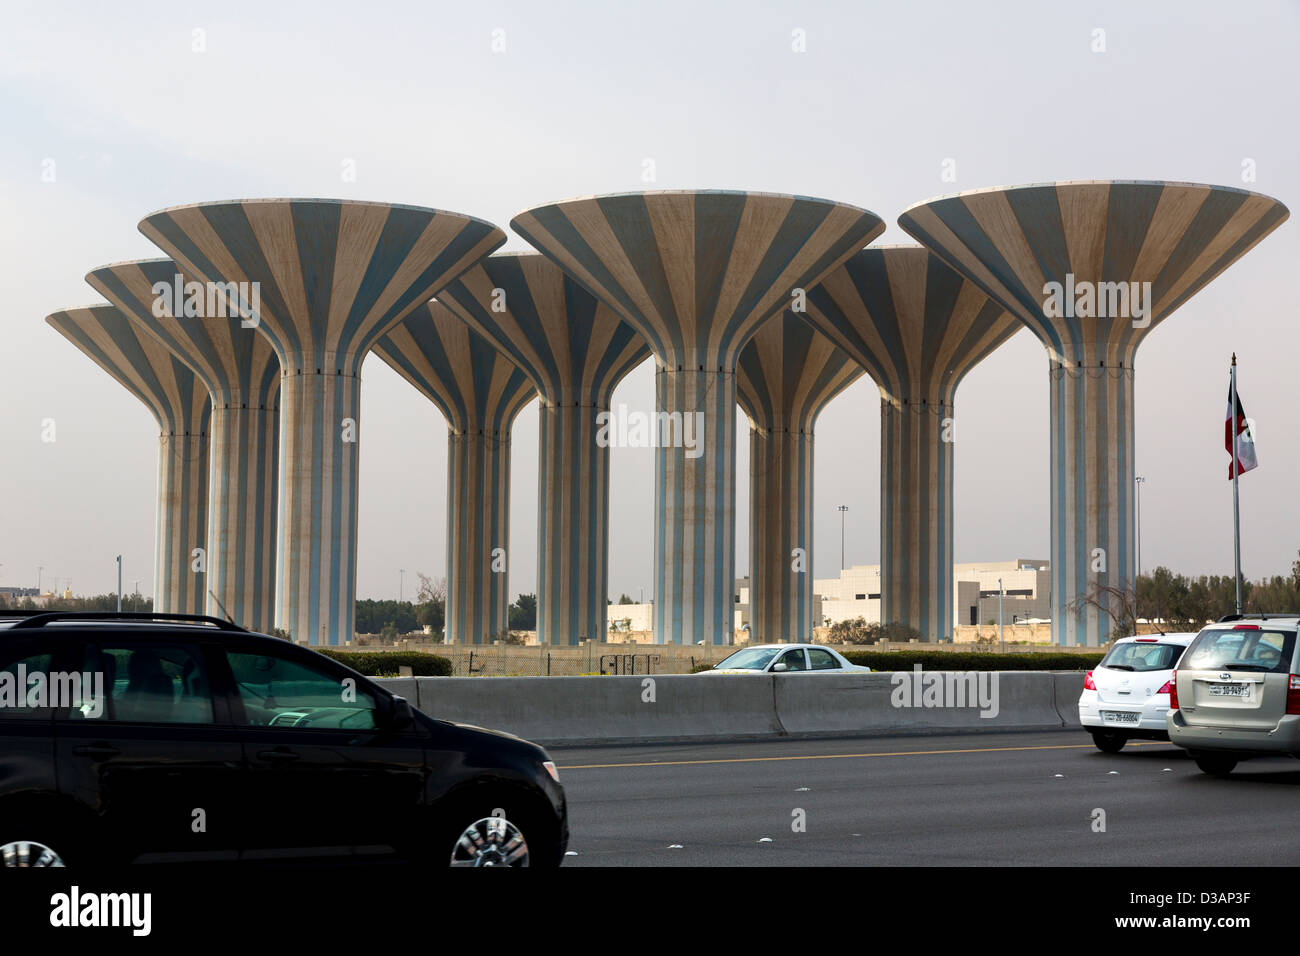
{"x":119,"y":584}
{"x":1000,"y":593}
{"x":401,"y":583}
{"x":135,"y":595}
{"x":842,"y":510}
{"x":1138,"y":481}
{"x":39,"y":569}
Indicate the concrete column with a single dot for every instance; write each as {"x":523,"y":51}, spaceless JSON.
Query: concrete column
{"x":695,"y":505}
{"x":179,"y":404}
{"x":1092,"y":268}
{"x":696,"y":274}
{"x":242,"y":375}
{"x":916,"y":533}
{"x":785,"y":376}
{"x":325,"y":279}
{"x":480,"y":392}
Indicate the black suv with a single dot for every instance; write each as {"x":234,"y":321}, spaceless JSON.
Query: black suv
{"x":152,"y":737}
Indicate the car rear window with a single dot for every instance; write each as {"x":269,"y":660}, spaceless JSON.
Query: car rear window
{"x":1254,"y":649}
{"x":1139,"y":656}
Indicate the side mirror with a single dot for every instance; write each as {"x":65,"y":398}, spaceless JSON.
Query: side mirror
{"x":400,"y":716}
{"x":780,"y":666}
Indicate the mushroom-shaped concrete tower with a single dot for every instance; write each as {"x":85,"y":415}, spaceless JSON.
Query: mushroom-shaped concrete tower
{"x":325,"y":278}
{"x":785,"y":376}
{"x":575,"y":350}
{"x":242,"y":375}
{"x":917,"y":327}
{"x":1092,"y":268}
{"x":696,"y":273}
{"x":480,"y":392}
{"x":179,"y":403}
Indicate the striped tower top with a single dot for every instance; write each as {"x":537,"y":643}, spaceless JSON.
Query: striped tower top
{"x":333,"y":275}
{"x":1089,"y":238}
{"x":697,"y":272}
{"x":573,"y":347}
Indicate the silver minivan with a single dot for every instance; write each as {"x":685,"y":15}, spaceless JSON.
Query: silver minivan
{"x":1236,"y":693}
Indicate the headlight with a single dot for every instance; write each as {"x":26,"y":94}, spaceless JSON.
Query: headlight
{"x":550,"y":768}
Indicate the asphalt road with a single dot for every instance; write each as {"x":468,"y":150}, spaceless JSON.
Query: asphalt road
{"x":967,"y":800}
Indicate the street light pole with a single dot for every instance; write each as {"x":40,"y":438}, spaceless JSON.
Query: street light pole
{"x":1000,"y":593}
{"x":842,"y":509}
{"x":39,"y":569}
{"x":401,"y":583}
{"x":119,"y":584}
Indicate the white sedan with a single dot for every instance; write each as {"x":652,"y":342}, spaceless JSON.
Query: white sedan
{"x":786,"y":659}
{"x":1127,"y":694}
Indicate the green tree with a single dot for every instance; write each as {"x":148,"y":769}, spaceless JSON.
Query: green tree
{"x":523,"y":613}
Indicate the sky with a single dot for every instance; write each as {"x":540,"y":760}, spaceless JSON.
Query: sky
{"x":489,"y":108}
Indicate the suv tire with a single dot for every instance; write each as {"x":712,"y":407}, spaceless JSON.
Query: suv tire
{"x":1109,"y":742}
{"x":1216,"y":765}
{"x":499,"y":821}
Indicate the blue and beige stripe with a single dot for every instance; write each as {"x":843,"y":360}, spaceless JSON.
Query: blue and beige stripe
{"x":575,"y":350}
{"x":180,"y":405}
{"x":333,"y":276}
{"x":480,"y":392}
{"x":785,"y":376}
{"x":696,"y":274}
{"x":918,"y":328}
{"x":242,"y":374}
{"x":1014,"y":241}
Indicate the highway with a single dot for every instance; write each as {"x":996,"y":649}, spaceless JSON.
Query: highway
{"x":1024,"y":798}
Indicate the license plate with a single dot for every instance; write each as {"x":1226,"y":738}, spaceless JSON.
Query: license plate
{"x":1229,"y":690}
{"x":1119,"y":717}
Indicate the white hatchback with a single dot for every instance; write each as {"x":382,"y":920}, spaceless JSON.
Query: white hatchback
{"x":1127,"y":694}
{"x":786,"y":659}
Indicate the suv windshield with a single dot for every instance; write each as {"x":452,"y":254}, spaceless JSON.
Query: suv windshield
{"x":1248,"y":649}
{"x":1135,"y":656}
{"x":750,"y":659}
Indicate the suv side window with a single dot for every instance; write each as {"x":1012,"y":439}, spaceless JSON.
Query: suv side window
{"x":144,"y":682}
{"x":282,"y":692}
{"x":21,"y":696}
{"x":820,"y":660}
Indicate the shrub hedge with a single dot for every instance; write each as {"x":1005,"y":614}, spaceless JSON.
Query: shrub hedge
{"x":384,"y":664}
{"x":972,"y":661}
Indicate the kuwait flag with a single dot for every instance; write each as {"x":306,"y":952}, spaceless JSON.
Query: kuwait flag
{"x":1238,"y":428}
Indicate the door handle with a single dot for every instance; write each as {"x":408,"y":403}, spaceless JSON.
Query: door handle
{"x":100,"y":751}
{"x":277,"y":756}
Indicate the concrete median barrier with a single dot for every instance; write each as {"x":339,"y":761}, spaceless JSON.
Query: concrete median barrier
{"x":586,"y":710}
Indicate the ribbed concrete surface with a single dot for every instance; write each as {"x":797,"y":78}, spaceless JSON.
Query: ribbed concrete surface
{"x":696,"y":273}
{"x":242,"y":375}
{"x":918,"y":328}
{"x":333,"y":275}
{"x":1012,"y":242}
{"x":575,"y":351}
{"x":179,"y":403}
{"x":785,"y":376}
{"x":480,"y":392}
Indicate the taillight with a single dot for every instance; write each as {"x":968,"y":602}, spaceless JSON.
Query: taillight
{"x":1088,"y":683}
{"x":1164,"y":688}
{"x":1293,"y":695}
{"x":1173,"y":690}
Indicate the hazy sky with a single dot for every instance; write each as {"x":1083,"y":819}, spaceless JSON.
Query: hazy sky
{"x":583,"y":93}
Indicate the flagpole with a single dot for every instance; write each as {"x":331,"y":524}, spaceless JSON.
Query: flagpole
{"x":1236,"y":474}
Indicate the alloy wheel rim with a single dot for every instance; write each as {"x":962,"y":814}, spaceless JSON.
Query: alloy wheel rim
{"x":25,"y":853}
{"x":490,"y":841}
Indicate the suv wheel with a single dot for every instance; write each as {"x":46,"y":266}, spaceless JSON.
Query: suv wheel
{"x":1109,"y":742}
{"x":1215,"y":765}
{"x":24,"y":853}
{"x":479,"y":832}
